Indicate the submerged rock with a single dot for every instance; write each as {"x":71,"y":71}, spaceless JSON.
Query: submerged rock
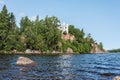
{"x":116,"y":78}
{"x":24,"y":61}
{"x":107,"y":74}
{"x":24,"y":69}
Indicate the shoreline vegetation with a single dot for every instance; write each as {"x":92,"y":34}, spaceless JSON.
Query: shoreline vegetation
{"x":114,"y":50}
{"x":46,"y":35}
{"x":34,"y":53}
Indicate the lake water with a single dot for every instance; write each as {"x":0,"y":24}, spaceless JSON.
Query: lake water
{"x":63,"y":67}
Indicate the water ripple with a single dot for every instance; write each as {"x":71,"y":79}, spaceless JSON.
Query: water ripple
{"x":64,"y":67}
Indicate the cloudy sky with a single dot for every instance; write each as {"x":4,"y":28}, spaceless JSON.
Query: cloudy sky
{"x":101,"y":18}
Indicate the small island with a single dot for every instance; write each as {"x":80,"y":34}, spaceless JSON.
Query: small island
{"x":46,"y":35}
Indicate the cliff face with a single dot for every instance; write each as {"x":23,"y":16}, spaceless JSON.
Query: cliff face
{"x":68,"y":37}
{"x":96,"y":49}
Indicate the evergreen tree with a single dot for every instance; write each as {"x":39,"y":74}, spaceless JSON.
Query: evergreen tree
{"x":7,"y":28}
{"x":100,"y":45}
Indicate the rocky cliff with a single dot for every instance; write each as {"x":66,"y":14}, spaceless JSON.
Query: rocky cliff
{"x":68,"y":37}
{"x":96,"y":49}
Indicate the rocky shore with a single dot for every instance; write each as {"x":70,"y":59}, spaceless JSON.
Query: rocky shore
{"x":69,"y":51}
{"x":96,"y":49}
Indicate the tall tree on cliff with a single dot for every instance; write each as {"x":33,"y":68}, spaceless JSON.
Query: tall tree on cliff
{"x":53,"y":35}
{"x":100,"y":45}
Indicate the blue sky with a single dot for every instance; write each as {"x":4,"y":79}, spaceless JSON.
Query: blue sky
{"x":101,"y":18}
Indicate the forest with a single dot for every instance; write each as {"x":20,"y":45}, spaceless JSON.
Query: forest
{"x":114,"y":50}
{"x":40,"y":34}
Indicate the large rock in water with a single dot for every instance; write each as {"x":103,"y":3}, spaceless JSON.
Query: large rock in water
{"x":24,"y":61}
{"x":116,"y":78}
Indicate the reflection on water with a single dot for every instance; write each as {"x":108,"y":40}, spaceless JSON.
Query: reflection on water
{"x":65,"y":67}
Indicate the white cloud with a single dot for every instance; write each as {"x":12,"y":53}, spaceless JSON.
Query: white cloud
{"x":33,"y":18}
{"x":2,"y":2}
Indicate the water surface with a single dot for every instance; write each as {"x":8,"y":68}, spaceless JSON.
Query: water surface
{"x":64,"y":67}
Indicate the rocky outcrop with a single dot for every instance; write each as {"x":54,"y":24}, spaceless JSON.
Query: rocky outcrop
{"x":69,"y":50}
{"x":28,"y":51}
{"x":96,"y":49}
{"x":68,"y":37}
{"x":24,"y":61}
{"x":116,"y":78}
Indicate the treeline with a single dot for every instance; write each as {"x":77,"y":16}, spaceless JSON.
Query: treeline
{"x":41,"y":34}
{"x":114,"y":50}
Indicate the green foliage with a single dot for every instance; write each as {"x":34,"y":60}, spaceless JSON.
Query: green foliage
{"x":79,"y":34}
{"x":80,"y":44}
{"x":7,"y":30}
{"x":114,"y":50}
{"x":42,"y":35}
{"x":100,"y":45}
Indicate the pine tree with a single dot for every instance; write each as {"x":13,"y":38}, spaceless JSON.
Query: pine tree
{"x":4,"y":26}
